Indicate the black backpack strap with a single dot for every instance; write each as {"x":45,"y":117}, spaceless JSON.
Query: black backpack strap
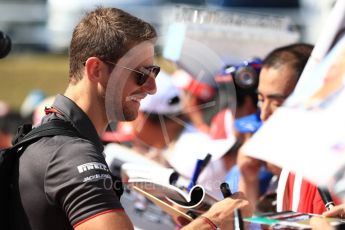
{"x":49,"y":129}
{"x":8,"y":157}
{"x":21,"y":132}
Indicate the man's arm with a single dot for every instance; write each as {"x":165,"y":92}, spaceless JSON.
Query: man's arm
{"x":249,"y":179}
{"x":107,"y":221}
{"x":221,"y":215}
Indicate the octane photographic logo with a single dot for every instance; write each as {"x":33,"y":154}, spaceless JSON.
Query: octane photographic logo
{"x":196,"y":58}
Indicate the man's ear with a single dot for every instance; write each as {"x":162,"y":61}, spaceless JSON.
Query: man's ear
{"x":95,"y":69}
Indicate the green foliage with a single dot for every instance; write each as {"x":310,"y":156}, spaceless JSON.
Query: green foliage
{"x":19,"y":74}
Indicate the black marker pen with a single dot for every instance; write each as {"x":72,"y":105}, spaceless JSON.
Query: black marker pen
{"x":326,"y":197}
{"x":238,"y":221}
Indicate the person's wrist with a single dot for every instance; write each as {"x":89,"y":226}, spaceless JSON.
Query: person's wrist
{"x":208,"y":221}
{"x":251,"y":178}
{"x":250,"y":175}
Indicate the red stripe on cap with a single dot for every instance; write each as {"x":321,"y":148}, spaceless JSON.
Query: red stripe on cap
{"x":201,"y":90}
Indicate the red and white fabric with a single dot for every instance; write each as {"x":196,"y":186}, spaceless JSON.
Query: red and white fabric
{"x":297,"y":194}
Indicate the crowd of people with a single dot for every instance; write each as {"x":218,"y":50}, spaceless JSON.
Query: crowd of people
{"x":113,"y":79}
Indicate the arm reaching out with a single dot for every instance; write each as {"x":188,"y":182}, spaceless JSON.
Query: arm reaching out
{"x":249,"y":180}
{"x":220,"y":215}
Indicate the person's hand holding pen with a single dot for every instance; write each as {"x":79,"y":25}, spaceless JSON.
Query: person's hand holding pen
{"x":319,"y":223}
{"x":222,"y":212}
{"x":220,"y":215}
{"x":238,"y":221}
{"x":337,"y":211}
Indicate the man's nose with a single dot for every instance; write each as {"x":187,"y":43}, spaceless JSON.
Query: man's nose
{"x":150,"y":86}
{"x":266,"y":111}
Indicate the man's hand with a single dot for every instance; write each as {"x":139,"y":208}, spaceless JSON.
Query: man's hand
{"x":319,"y":223}
{"x":337,"y":211}
{"x":222,"y":212}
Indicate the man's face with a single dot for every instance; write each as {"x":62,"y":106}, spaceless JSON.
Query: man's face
{"x":124,"y":93}
{"x":275,"y":85}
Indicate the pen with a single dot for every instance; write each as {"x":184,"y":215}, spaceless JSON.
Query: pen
{"x":225,"y":189}
{"x":205,"y":162}
{"x":196,"y":173}
{"x":199,"y":167}
{"x":238,"y":221}
{"x":326,"y":197}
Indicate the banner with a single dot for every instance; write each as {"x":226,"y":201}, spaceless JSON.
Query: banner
{"x":201,"y":37}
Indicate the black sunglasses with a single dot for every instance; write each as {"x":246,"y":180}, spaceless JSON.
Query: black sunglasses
{"x":143,"y":73}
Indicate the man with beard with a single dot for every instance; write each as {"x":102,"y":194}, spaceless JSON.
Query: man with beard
{"x":63,"y":182}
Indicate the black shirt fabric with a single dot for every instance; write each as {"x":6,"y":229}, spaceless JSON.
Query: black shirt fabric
{"x":61,"y":181}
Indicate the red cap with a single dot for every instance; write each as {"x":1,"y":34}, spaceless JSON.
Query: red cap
{"x":185,"y":81}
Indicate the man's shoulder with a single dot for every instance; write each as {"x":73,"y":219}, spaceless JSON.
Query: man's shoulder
{"x":73,"y":150}
{"x":64,"y":151}
{"x":66,"y":143}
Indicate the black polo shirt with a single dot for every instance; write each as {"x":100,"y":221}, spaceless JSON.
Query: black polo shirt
{"x":63,"y":180}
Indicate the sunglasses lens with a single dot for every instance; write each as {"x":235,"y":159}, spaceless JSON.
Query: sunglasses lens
{"x":141,"y":78}
{"x":146,"y":72}
{"x":156,"y":70}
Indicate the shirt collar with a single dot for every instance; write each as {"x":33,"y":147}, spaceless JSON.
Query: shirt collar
{"x":78,"y":118}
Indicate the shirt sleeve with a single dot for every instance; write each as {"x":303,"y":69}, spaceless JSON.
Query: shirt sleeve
{"x":78,"y":181}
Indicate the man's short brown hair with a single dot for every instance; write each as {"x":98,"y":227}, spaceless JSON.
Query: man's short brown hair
{"x":106,"y":33}
{"x":295,"y":55}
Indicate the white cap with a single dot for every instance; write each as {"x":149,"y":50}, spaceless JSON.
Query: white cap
{"x":167,"y":99}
